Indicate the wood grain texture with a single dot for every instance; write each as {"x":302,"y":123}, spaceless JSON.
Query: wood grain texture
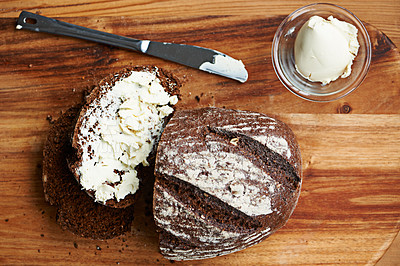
{"x":383,"y":14}
{"x":349,"y":209}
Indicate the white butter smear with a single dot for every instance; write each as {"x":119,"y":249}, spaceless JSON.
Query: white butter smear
{"x":325,"y":49}
{"x":226,"y":66}
{"x":119,"y":133}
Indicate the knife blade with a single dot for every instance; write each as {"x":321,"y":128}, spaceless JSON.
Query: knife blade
{"x":205,"y":59}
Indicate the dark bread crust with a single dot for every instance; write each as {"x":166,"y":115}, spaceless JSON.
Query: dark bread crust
{"x":76,"y":211}
{"x":171,"y":85}
{"x":191,"y":132}
{"x":228,"y":217}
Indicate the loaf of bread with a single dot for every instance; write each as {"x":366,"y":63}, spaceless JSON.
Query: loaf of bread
{"x":117,"y":131}
{"x":225,"y":180}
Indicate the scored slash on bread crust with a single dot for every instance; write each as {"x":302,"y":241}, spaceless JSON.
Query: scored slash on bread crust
{"x":170,"y":85}
{"x":225,"y":180}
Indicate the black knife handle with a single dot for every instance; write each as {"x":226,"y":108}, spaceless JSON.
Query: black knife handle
{"x":34,"y":22}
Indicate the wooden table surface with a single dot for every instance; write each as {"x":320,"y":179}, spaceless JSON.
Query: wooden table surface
{"x":368,"y":119}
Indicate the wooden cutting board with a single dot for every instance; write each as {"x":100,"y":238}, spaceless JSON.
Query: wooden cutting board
{"x":349,"y":208}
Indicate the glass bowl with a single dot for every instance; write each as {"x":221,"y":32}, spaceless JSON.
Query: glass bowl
{"x":284,"y":63}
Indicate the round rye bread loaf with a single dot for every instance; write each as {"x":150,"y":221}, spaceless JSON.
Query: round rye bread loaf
{"x":225,"y":180}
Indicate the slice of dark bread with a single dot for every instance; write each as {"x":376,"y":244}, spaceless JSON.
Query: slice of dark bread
{"x":101,"y":103}
{"x":76,"y":210}
{"x":225,"y":180}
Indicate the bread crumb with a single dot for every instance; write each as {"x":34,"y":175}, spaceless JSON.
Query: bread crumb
{"x":234,"y":141}
{"x":50,"y":119}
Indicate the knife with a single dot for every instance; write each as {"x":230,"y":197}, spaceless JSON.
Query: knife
{"x":197,"y":57}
